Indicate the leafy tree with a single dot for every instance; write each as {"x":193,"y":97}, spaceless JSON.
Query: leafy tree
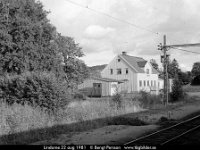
{"x":69,"y":51}
{"x":30,"y":44}
{"x":154,"y":64}
{"x":173,"y":68}
{"x":177,"y":91}
{"x":185,"y":77}
{"x":25,"y":37}
{"x":196,"y":69}
{"x":196,"y":80}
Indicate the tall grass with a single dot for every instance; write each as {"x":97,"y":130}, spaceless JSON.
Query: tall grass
{"x":18,"y":118}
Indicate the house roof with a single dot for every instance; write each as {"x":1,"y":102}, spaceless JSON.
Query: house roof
{"x":136,"y":63}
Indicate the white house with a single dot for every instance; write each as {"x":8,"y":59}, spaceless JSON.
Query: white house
{"x":125,"y":74}
{"x":137,"y":74}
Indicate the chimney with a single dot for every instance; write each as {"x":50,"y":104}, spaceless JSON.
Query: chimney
{"x":123,"y":53}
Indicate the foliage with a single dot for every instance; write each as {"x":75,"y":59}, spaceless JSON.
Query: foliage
{"x":154,"y":64}
{"x":35,"y":89}
{"x":38,"y":66}
{"x":30,"y":43}
{"x":196,"y":80}
{"x":117,"y":99}
{"x":148,"y":100}
{"x":26,"y":36}
{"x":69,"y":51}
{"x":190,"y":88}
{"x":196,"y":69}
{"x":177,"y":90}
{"x":33,"y":124}
{"x":185,"y":77}
{"x":173,"y":68}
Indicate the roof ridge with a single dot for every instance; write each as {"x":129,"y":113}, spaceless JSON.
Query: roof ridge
{"x":131,"y":56}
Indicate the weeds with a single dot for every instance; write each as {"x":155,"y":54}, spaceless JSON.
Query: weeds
{"x":148,"y":100}
{"x":18,"y":118}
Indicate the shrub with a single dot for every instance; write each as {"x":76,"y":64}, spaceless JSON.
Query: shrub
{"x":117,"y":99}
{"x":196,"y":80}
{"x":147,"y":100}
{"x":36,"y":89}
{"x":177,"y":90}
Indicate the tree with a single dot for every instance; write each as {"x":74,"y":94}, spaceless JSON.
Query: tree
{"x":196,"y":69}
{"x":154,"y":64}
{"x":177,"y":91}
{"x":173,"y":68}
{"x":25,"y":37}
{"x":196,"y":80}
{"x":28,"y":42}
{"x":75,"y":69}
{"x":185,"y":77}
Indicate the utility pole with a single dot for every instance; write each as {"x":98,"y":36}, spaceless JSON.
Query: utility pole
{"x":164,"y":60}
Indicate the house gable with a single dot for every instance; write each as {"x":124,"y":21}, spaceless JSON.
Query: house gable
{"x":117,"y":63}
{"x":151,"y":69}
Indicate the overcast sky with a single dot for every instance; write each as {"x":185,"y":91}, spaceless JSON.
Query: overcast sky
{"x":102,"y":38}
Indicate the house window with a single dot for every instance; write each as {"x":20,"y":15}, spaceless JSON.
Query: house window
{"x":151,"y":83}
{"x":126,"y":70}
{"x":144,"y":83}
{"x":119,"y":71}
{"x":154,"y":83}
{"x":140,"y":83}
{"x":118,"y":60}
{"x":158,"y":85}
{"x":147,"y":71}
{"x":147,"y":83}
{"x":111,"y":71}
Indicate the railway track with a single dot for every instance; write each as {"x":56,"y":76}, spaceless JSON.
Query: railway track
{"x":169,"y":135}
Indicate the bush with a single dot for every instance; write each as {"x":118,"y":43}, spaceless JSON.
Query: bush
{"x":117,"y":99}
{"x":147,"y":100}
{"x":35,"y":89}
{"x":196,"y":80}
{"x":177,"y":90}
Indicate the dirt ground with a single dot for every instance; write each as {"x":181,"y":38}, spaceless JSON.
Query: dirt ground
{"x":119,"y":134}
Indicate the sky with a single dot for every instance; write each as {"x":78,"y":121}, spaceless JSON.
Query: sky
{"x":102,"y":37}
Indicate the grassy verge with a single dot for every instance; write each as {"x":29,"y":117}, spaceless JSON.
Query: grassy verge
{"x":24,"y":124}
{"x":190,"y":88}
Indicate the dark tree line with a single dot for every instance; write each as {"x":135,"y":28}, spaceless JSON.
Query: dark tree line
{"x":38,"y":65}
{"x":29,"y":42}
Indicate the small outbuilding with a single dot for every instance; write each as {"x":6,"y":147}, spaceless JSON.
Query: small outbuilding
{"x":98,"y":87}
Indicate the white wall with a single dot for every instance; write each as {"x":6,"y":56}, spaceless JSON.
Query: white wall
{"x":151,"y":78}
{"x":148,"y":66}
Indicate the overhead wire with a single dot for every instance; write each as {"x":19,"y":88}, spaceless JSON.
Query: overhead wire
{"x":126,"y":22}
{"x":181,"y":49}
{"x":115,"y":18}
